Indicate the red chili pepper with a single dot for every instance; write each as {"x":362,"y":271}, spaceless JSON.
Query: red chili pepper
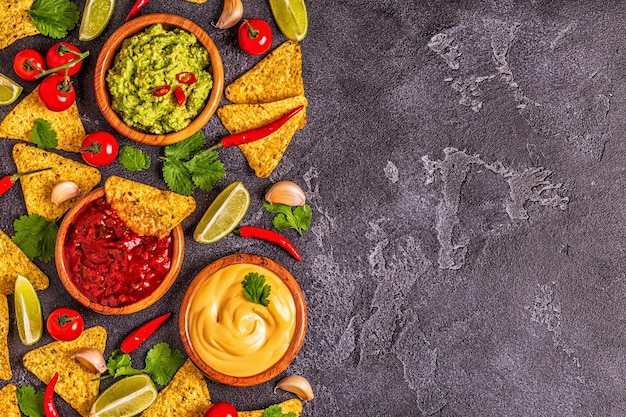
{"x":49,"y":408}
{"x":143,"y":332}
{"x":9,"y":181}
{"x":161,"y":90}
{"x":255,"y":134}
{"x":270,"y":236}
{"x":180,"y":95}
{"x":186,"y":77}
{"x":135,"y":9}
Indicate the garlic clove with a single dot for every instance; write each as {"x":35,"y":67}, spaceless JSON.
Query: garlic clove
{"x":298,"y":385}
{"x":231,"y":14}
{"x":285,"y":192}
{"x":91,"y":359}
{"x":64,"y":191}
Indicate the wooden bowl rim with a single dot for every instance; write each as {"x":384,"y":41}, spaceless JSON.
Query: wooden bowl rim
{"x":296,"y":341}
{"x":178,"y":241}
{"x":109,"y":51}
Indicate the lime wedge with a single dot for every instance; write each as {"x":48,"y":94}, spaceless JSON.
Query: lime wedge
{"x":27,"y":311}
{"x":96,"y":16}
{"x":291,"y":18}
{"x":224,"y":214}
{"x":9,"y":90}
{"x":127,"y":397}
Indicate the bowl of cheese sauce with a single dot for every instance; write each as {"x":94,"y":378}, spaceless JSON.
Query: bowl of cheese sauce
{"x":232,"y":339}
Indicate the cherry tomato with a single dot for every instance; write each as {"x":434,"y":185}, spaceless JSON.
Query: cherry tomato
{"x":28,"y":63}
{"x":60,"y":54}
{"x":221,"y":409}
{"x":65,"y":324}
{"x":99,"y":148}
{"x":255,"y":36}
{"x":56,"y":92}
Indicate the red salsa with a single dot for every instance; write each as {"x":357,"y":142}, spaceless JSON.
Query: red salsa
{"x":111,"y":264}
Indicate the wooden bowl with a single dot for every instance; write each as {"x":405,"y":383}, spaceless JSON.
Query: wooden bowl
{"x":105,"y":60}
{"x":62,"y":269}
{"x":300,"y":320}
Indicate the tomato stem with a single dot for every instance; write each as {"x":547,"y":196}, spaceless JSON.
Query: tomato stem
{"x":252,"y":32}
{"x":65,"y":66}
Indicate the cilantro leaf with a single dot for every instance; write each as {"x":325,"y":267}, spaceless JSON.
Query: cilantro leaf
{"x":30,"y":401}
{"x":177,"y":177}
{"x":298,"y":218}
{"x":187,"y":148}
{"x":206,"y":170}
{"x":133,"y":159}
{"x":42,"y":135}
{"x":255,"y":289}
{"x":54,"y":18}
{"x":36,"y":236}
{"x":162,"y":362}
{"x":276,"y":411}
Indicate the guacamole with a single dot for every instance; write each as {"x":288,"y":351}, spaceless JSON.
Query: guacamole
{"x":147,"y":71}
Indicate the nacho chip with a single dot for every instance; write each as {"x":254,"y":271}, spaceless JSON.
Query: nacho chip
{"x":14,"y":262}
{"x":265,"y":154}
{"x":8,"y":401}
{"x":67,"y":124}
{"x":37,"y":188}
{"x":146,"y":210}
{"x":275,"y":77}
{"x":5,"y":365}
{"x":15,"y":23}
{"x":293,"y":405}
{"x":76,"y":385}
{"x":186,"y":395}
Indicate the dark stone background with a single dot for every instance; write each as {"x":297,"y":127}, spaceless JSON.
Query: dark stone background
{"x":464,"y":162}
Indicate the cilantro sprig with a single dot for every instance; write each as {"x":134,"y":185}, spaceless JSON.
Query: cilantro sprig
{"x":30,"y":401}
{"x":36,"y":236}
{"x":298,"y":218}
{"x":276,"y":411}
{"x":54,"y":18}
{"x":133,"y":159}
{"x":43,"y":135}
{"x":255,"y":289}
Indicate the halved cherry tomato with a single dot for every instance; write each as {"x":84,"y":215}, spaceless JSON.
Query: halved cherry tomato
{"x":255,"y":36}
{"x":221,"y":409}
{"x":57,"y":92}
{"x":65,"y":324}
{"x":99,"y":148}
{"x":60,"y":54}
{"x":28,"y":63}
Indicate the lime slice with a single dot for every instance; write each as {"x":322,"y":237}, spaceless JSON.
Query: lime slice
{"x":291,"y":18}
{"x":96,"y":16}
{"x":224,"y":214}
{"x":27,"y":311}
{"x":9,"y":90}
{"x":127,"y":397}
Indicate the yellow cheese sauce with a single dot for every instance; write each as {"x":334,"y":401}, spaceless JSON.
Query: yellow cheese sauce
{"x":233,"y":335}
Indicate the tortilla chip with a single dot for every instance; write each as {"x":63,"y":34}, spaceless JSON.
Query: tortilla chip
{"x":5,"y":365}
{"x":8,"y":401}
{"x":37,"y":188}
{"x":15,"y":23}
{"x":186,"y":395}
{"x":265,"y":154}
{"x":67,"y":124}
{"x":293,"y":405}
{"x":146,"y":210}
{"x":197,"y":1}
{"x":75,"y":385}
{"x":275,"y":77}
{"x":14,"y":262}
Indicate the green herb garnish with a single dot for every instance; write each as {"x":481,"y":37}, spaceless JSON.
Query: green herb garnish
{"x":276,"y":411}
{"x":54,"y":18}
{"x":133,"y":159}
{"x":43,"y":136}
{"x":298,"y":218}
{"x":36,"y":236}
{"x":30,"y":401}
{"x":255,"y":289}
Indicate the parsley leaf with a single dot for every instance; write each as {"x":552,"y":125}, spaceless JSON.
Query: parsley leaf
{"x":119,"y":364}
{"x":299,"y":218}
{"x":186,"y":148}
{"x":36,"y":236}
{"x":276,"y":411}
{"x":133,"y":159}
{"x":162,"y":362}
{"x":54,"y":18}
{"x":206,"y":170}
{"x":177,"y":177}
{"x":30,"y":401}
{"x":43,"y":136}
{"x":255,"y":289}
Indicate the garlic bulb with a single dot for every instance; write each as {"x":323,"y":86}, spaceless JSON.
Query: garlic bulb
{"x":231,"y":14}
{"x":298,"y":385}
{"x":91,"y":359}
{"x":286,"y":192}
{"x":63,"y":191}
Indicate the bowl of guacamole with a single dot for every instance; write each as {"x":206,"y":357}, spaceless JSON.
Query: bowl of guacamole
{"x":158,"y":79}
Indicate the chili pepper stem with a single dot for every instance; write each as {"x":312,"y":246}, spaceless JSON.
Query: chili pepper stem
{"x":18,"y":175}
{"x":65,"y":67}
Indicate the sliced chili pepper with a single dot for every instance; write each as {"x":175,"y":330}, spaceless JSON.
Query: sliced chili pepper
{"x":49,"y":408}
{"x":161,"y":90}
{"x":270,"y":236}
{"x":139,"y":4}
{"x":180,"y":95}
{"x":186,"y":77}
{"x":256,"y":134}
{"x":9,"y":181}
{"x":143,"y":332}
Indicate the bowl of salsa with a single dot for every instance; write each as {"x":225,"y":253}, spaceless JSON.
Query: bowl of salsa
{"x":158,"y":79}
{"x":243,"y":319}
{"x":106,"y":266}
